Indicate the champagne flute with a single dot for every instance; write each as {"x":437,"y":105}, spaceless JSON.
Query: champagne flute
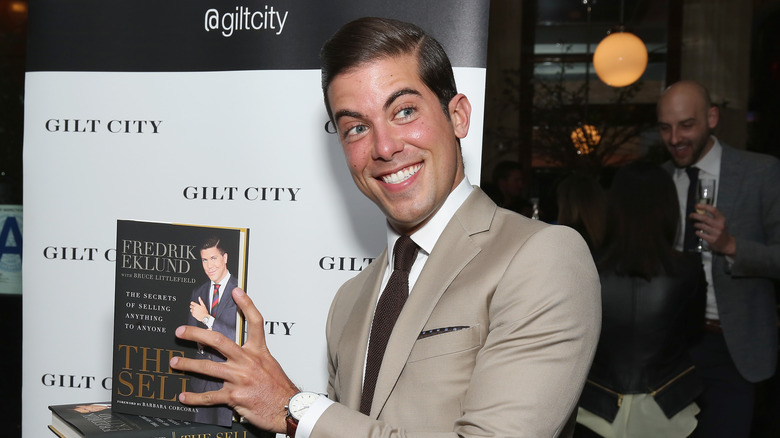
{"x":706,"y":195}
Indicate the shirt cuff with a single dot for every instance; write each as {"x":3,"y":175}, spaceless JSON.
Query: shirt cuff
{"x":315,"y":411}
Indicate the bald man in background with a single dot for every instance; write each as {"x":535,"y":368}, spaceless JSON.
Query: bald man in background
{"x":742,"y":228}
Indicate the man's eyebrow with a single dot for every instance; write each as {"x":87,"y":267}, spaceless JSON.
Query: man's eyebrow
{"x":399,"y":93}
{"x":346,"y":113}
{"x":402,"y":92}
{"x":681,"y":122}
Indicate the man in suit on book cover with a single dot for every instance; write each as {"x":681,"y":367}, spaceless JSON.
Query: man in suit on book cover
{"x":498,"y":315}
{"x":212,"y":307}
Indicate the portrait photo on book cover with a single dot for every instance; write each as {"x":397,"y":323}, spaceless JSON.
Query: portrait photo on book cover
{"x":169,"y":275}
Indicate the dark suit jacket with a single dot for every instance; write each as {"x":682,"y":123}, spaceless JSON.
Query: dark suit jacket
{"x":527,"y":297}
{"x":749,"y":198}
{"x":225,"y":317}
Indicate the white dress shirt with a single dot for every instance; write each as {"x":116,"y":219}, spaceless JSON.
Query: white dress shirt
{"x":709,"y":166}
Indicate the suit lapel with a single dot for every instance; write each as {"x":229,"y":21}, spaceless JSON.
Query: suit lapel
{"x":453,"y":251}
{"x":731,"y":172}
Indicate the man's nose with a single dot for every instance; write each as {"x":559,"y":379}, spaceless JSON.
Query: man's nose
{"x":386,"y":143}
{"x":674,"y":137}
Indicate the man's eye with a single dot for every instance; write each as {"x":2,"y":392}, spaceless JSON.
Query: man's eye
{"x":404,"y":113}
{"x":356,"y":130}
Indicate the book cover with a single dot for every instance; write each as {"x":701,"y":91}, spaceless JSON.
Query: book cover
{"x":166,"y":276}
{"x":90,"y":420}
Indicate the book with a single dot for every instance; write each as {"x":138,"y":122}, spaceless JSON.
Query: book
{"x":90,"y":420}
{"x":165,"y":276}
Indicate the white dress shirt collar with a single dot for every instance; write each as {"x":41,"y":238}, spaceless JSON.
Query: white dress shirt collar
{"x":222,"y":282}
{"x":427,"y":236}
{"x":709,"y":164}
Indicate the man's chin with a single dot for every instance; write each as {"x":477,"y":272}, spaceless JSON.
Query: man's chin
{"x":680,"y":161}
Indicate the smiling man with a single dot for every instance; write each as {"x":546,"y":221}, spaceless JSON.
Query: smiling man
{"x":401,"y":148}
{"x":475,"y":321}
{"x":742,"y":228}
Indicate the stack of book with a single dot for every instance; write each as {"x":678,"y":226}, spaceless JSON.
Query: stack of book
{"x":92,"y":420}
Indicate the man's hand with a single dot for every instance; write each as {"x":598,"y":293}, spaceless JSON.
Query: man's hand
{"x":254,"y":383}
{"x":198,"y":310}
{"x":711,"y":227}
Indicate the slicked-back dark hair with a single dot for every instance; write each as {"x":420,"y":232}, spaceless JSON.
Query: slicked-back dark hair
{"x":642,"y":221}
{"x":370,"y":38}
{"x":213,"y":242}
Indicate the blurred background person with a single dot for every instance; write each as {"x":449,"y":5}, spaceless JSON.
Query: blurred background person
{"x":509,"y":186}
{"x":643,"y":382}
{"x":582,"y":205}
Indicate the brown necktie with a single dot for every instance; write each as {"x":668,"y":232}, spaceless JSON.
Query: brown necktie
{"x":387,"y":310}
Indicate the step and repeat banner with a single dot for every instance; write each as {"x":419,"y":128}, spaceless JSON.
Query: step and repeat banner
{"x":197,"y":112}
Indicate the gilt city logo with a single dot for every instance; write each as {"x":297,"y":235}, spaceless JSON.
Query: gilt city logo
{"x":75,"y":381}
{"x":341,"y":263}
{"x":279,"y":194}
{"x":116,"y":126}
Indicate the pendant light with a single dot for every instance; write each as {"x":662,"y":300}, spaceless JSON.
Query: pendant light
{"x":620,"y":58}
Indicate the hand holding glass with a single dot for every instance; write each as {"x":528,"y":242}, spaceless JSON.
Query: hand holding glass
{"x":706,"y":195}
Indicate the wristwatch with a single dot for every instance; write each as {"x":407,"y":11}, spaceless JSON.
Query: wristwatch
{"x":208,"y":320}
{"x":296,"y":407}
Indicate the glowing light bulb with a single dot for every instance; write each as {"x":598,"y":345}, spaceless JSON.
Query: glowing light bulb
{"x":620,"y":59}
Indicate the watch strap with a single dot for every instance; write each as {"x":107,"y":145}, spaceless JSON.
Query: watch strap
{"x":292,"y":426}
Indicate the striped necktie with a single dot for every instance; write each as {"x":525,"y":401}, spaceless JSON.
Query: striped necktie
{"x":215,"y":299}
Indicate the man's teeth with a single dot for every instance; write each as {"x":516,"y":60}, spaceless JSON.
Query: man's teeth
{"x":402,"y":175}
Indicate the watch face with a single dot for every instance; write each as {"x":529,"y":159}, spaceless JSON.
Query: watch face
{"x":300,"y":402}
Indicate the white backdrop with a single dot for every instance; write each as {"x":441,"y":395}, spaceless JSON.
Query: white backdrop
{"x":210,"y":144}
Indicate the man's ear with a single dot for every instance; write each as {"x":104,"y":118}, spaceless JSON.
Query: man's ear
{"x":713,"y":115}
{"x":460,"y":115}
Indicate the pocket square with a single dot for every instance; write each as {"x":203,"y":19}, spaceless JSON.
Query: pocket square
{"x":440,"y":331}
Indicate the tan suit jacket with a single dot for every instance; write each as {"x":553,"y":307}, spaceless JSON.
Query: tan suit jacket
{"x":525,"y":297}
